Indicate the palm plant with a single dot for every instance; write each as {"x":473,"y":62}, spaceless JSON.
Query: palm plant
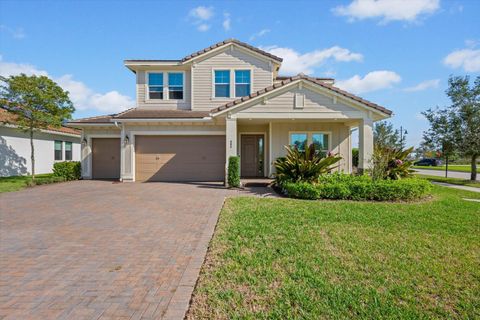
{"x":303,"y":166}
{"x":391,"y":163}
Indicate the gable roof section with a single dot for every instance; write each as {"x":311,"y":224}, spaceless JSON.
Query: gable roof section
{"x":309,"y":79}
{"x":7,"y":117}
{"x":137,"y":62}
{"x":229,"y":41}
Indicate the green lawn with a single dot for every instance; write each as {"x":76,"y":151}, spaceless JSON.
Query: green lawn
{"x":9,"y":184}
{"x":451,"y":167}
{"x":461,"y":182}
{"x":297,"y":259}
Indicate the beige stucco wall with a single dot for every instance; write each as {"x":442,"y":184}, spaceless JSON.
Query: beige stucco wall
{"x":261,"y":75}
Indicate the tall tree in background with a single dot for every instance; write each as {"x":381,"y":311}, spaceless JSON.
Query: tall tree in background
{"x":385,"y":136}
{"x":37,"y":102}
{"x":441,"y":134}
{"x":458,"y":123}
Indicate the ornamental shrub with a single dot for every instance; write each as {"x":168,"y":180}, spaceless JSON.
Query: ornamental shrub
{"x":303,"y":166}
{"x":347,"y":187}
{"x":69,"y":170}
{"x":233,"y":175}
{"x":301,"y":190}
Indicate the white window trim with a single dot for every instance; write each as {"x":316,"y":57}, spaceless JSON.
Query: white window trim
{"x":147,"y":89}
{"x":235,"y":83}
{"x":232,"y":83}
{"x":168,"y":85}
{"x":309,"y":134}
{"x":54,"y":151}
{"x":64,"y":143}
{"x":165,"y":86}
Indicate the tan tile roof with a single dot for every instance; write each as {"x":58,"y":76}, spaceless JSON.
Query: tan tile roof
{"x":160,"y":114}
{"x":135,"y":113}
{"x":10,"y":118}
{"x":303,"y":77}
{"x":240,"y":43}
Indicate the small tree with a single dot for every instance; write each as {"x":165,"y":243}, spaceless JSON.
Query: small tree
{"x":441,"y":134}
{"x":465,"y":113}
{"x":37,"y":102}
{"x":456,"y":128}
{"x":385,"y":136}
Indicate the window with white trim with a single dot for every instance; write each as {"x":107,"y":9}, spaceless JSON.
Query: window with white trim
{"x":321,"y":140}
{"x":242,"y":83}
{"x":155,"y":85}
{"x":58,"y":150}
{"x":68,"y":150}
{"x":222,"y":83}
{"x":175,"y":86}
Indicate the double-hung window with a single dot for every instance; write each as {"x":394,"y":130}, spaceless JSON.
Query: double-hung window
{"x":242,"y":83}
{"x":303,"y":139}
{"x":175,"y":86}
{"x":58,"y":150}
{"x":68,"y":150}
{"x":222,"y":83}
{"x":155,"y":85}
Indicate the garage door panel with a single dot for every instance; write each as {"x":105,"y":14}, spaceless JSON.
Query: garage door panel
{"x":179,"y":158}
{"x":105,"y":158}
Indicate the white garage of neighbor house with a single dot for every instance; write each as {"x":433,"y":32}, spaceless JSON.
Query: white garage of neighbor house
{"x":53,"y":145}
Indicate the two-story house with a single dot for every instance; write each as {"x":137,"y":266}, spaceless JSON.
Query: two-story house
{"x":227,"y":99}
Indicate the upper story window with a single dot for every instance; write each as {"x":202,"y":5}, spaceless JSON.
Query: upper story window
{"x":242,"y":83}
{"x":222,"y":83}
{"x":155,"y":85}
{"x":58,"y":150}
{"x":68,"y":150}
{"x":175,"y":86}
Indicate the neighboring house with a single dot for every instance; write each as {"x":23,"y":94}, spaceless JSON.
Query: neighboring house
{"x":225,"y":100}
{"x":52,"y":145}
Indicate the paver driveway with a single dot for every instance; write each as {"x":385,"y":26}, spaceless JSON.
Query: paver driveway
{"x":102,"y":250}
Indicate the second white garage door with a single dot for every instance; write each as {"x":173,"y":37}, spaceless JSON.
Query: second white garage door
{"x":179,"y":158}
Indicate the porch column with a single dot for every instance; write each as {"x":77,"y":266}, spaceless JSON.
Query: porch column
{"x":231,"y":141}
{"x":365,"y":146}
{"x":85,"y":156}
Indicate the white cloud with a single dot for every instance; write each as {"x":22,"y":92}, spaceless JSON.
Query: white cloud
{"x":17,"y":33}
{"x":387,"y":10}
{"x":200,"y":16}
{"x":227,"y":23}
{"x":424,"y":85}
{"x":259,"y":34}
{"x":294,"y":62}
{"x":468,"y":59}
{"x":201,"y":13}
{"x":420,"y":116}
{"x":372,"y":81}
{"x":83,"y":97}
{"x":203,"y":27}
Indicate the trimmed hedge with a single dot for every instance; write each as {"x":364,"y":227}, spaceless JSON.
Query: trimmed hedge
{"x":233,"y":176}
{"x":346,"y":187}
{"x":68,"y":170}
{"x":44,"y":180}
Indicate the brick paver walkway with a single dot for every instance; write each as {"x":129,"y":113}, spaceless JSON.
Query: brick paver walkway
{"x":103,"y":250}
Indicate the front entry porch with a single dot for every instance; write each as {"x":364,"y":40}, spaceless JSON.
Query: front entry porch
{"x":259,"y":142}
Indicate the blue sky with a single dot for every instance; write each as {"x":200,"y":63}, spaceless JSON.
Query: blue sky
{"x":397,"y":54}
